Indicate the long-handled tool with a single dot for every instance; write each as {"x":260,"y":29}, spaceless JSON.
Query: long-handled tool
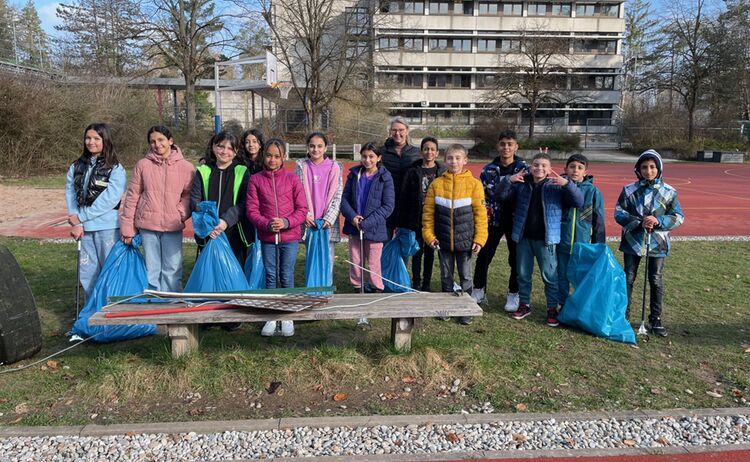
{"x":277,"y":237}
{"x":78,"y":278}
{"x":642,"y":329}
{"x":362,"y":260}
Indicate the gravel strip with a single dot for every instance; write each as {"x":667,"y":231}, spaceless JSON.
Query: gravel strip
{"x":428,"y":438}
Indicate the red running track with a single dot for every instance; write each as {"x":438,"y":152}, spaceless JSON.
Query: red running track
{"x":713,"y":197}
{"x":724,"y":456}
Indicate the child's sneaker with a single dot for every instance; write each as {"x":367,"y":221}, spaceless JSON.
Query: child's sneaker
{"x":657,"y":328}
{"x":287,"y":328}
{"x":465,"y":320}
{"x":512,"y":302}
{"x":478,"y":295}
{"x":522,"y":311}
{"x":269,"y":330}
{"x":363,"y":324}
{"x":552,"y":317}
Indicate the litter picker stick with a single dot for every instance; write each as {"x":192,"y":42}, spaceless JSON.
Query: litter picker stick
{"x":78,"y":277}
{"x":642,"y":328}
{"x":361,"y":259}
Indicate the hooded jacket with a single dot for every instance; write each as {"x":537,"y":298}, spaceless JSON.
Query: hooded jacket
{"x":641,"y":199}
{"x":158,"y":197}
{"x":585,"y":223}
{"x":271,"y":194}
{"x":454,"y":212}
{"x":379,"y":205}
{"x":554,"y":199}
{"x":333,"y":200}
{"x":410,"y":209}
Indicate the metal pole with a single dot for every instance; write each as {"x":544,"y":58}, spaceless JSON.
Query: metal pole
{"x":15,"y":38}
{"x":217,"y":100}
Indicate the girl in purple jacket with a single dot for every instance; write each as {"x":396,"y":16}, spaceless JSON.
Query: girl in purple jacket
{"x":277,"y":208}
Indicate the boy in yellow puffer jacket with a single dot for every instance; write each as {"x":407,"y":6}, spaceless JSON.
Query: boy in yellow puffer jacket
{"x":454,"y":220}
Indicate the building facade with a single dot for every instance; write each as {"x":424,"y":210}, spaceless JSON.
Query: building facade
{"x":436,"y":60}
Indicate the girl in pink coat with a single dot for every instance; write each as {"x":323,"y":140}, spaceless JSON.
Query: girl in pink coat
{"x":277,"y":208}
{"x":156,"y":205}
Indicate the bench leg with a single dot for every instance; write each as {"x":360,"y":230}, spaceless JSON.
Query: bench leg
{"x":401,"y":333}
{"x":184,"y":338}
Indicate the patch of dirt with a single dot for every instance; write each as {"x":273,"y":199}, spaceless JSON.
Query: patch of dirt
{"x":21,"y":202}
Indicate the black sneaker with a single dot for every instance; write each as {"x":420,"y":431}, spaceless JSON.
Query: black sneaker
{"x":522,"y":311}
{"x":465,"y":320}
{"x":656,"y":328}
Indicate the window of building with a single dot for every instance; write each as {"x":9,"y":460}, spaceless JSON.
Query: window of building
{"x":593,"y":82}
{"x":486,"y":80}
{"x":486,"y":45}
{"x":469,"y":8}
{"x":411,"y":7}
{"x":585,"y":9}
{"x":449,"y":81}
{"x":602,"y":47}
{"x":440,"y":7}
{"x":561,"y":9}
{"x":512,"y":9}
{"x":438,"y":44}
{"x":401,"y":80}
{"x":448,"y":117}
{"x":609,"y":10}
{"x":386,"y":43}
{"x":592,"y":118}
{"x":510,"y":45}
{"x":537,"y":9}
{"x":413,"y":44}
{"x":462,"y":45}
{"x":357,"y":20}
{"x":488,"y":8}
{"x":406,"y":7}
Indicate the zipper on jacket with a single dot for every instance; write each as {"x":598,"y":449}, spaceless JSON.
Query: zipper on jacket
{"x":218,"y":204}
{"x":164,"y":192}
{"x":453,"y":210}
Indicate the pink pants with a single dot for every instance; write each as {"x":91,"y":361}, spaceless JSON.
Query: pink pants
{"x":373,"y":250}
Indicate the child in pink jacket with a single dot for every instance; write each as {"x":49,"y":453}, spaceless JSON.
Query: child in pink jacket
{"x":276,"y":206}
{"x":156,"y":205}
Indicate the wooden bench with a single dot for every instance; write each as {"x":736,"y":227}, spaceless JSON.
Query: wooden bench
{"x":183,"y":328}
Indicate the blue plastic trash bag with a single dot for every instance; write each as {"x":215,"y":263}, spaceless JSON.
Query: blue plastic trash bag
{"x":255,"y":272}
{"x":404,"y":244}
{"x":318,"y":259}
{"x":600,"y":298}
{"x":216,"y":269}
{"x":123,"y":274}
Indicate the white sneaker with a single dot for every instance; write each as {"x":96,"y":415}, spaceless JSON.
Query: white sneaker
{"x":363,"y":324}
{"x":269,"y":330}
{"x":287,"y":328}
{"x":478,"y":295}
{"x":511,"y":303}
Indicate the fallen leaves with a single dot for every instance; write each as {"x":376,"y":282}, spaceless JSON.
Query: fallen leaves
{"x":630,"y":443}
{"x":520,"y":407}
{"x":663,"y":441}
{"x":22,"y":408}
{"x":340,"y":397}
{"x":195,"y":412}
{"x":736,"y":393}
{"x":453,"y":438}
{"x":519,"y":439}
{"x":408,"y":379}
{"x":713,"y":394}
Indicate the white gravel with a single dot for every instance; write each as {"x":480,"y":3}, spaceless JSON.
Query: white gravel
{"x":428,"y":438}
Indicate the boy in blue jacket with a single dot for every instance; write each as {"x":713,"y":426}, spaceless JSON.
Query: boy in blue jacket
{"x":648,"y":205}
{"x":579,"y":224}
{"x":539,"y":197}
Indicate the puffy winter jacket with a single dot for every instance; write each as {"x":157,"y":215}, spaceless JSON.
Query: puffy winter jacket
{"x":397,"y":165}
{"x":554,"y":199}
{"x":158,"y":197}
{"x":379,"y":205}
{"x":585,"y":223}
{"x":454,"y":212}
{"x":410,"y":209}
{"x":491,"y":174}
{"x":276,"y":194}
{"x":102,"y":213}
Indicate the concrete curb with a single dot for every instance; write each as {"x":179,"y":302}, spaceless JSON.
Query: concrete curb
{"x":205,"y":427}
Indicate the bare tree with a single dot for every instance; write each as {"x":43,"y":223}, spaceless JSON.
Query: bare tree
{"x":685,"y":58}
{"x":532,"y":74}
{"x":186,"y":34}
{"x":324,"y":48}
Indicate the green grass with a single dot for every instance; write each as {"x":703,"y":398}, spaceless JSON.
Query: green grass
{"x":497,"y":359}
{"x":45,"y":181}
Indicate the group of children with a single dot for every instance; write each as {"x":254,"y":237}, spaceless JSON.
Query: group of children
{"x":540,"y":213}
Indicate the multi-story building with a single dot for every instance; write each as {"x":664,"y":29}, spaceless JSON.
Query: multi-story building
{"x":436,"y":59}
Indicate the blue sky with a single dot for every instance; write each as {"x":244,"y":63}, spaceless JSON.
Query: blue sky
{"x":46,"y":9}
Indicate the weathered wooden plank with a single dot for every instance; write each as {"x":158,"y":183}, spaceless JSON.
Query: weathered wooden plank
{"x":401,"y":329}
{"x":341,"y":306}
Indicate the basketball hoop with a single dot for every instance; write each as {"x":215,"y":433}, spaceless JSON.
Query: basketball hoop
{"x":284,"y":89}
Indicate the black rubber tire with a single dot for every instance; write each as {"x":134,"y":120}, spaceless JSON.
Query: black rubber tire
{"x":20,"y":329}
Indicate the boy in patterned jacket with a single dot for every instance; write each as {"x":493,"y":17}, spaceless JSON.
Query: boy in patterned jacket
{"x":500,"y":219}
{"x":579,"y":224}
{"x":454,"y":220}
{"x":648,"y":205}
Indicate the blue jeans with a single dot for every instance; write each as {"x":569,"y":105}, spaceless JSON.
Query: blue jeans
{"x":546,"y":257}
{"x":95,"y":247}
{"x":163,"y":254}
{"x":283,"y":276}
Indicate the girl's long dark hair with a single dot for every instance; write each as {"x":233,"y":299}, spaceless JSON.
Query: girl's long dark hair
{"x":244,"y":155}
{"x":108,"y":149}
{"x":164,"y":131}
{"x":220,"y":137}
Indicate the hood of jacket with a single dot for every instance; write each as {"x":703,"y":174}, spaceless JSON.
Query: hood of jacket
{"x":653,"y":155}
{"x":175,"y":156}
